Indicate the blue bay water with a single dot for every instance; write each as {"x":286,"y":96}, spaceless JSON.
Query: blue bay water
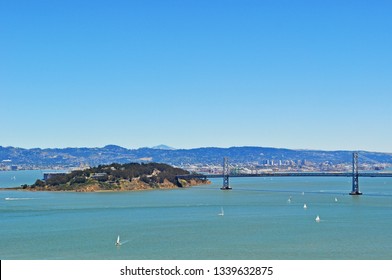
{"x":259,"y":222}
{"x":10,"y":179}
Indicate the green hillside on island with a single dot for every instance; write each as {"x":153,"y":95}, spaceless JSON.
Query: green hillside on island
{"x":117,"y":177}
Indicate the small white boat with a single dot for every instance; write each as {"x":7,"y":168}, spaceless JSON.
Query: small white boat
{"x":305,"y":206}
{"x":222,"y":213}
{"x":336,"y":200}
{"x":317,"y":219}
{"x":118,"y":243}
{"x":289,"y":200}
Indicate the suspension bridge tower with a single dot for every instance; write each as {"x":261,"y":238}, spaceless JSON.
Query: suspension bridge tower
{"x":355,"y":190}
{"x":226,"y":172}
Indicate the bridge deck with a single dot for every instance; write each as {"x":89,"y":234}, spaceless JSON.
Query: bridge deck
{"x":293,"y":174}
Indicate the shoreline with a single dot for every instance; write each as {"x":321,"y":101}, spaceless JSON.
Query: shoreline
{"x":99,"y":190}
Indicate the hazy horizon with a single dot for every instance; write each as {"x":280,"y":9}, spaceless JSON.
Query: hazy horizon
{"x":175,"y":148}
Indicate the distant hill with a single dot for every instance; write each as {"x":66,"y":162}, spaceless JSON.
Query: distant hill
{"x":162,"y":147}
{"x":71,"y":157}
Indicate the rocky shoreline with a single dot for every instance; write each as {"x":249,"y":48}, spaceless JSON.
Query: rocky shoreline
{"x":134,"y":185}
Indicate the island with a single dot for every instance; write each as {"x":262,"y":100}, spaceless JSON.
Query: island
{"x":118,"y":177}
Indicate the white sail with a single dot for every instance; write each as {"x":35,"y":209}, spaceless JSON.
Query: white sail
{"x":118,"y":243}
{"x":222,"y":213}
{"x":317,"y":219}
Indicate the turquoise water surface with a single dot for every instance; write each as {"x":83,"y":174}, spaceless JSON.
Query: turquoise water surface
{"x":16,"y":178}
{"x":264,"y":218}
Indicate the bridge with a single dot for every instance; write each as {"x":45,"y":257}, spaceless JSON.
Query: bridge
{"x":289,"y":174}
{"x":355,"y":174}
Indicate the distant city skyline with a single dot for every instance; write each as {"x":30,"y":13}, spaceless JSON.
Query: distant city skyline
{"x":287,"y":74}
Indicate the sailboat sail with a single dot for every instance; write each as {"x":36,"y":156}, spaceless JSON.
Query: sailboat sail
{"x":222,"y":212}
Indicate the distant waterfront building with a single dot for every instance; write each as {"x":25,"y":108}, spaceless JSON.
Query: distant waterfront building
{"x":99,"y":176}
{"x":53,"y":174}
{"x":6,"y":164}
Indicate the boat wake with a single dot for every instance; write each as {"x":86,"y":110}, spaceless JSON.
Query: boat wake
{"x":18,"y":198}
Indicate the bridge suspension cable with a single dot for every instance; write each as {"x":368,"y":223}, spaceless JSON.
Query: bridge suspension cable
{"x":362,"y":156}
{"x":355,"y":175}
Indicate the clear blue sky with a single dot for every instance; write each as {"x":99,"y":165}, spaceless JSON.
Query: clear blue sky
{"x":193,"y":73}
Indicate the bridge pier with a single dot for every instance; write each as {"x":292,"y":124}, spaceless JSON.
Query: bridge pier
{"x":355,"y":189}
{"x":226,"y":172}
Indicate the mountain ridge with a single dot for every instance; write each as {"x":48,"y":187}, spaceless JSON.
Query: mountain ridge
{"x":73,"y":157}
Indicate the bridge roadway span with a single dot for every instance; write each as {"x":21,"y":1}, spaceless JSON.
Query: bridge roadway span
{"x":291,"y":174}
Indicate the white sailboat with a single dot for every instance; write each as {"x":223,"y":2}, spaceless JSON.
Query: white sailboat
{"x":305,"y":206}
{"x":317,"y":219}
{"x":336,"y":200}
{"x":118,"y":243}
{"x":222,"y":213}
